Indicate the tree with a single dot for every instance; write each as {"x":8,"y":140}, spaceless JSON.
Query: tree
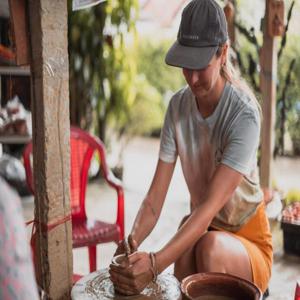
{"x":101,"y":76}
{"x":248,"y":60}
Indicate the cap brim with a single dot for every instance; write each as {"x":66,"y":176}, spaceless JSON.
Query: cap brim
{"x":194,"y":58}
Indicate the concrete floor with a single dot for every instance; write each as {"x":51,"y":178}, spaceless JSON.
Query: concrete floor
{"x":139,"y":161}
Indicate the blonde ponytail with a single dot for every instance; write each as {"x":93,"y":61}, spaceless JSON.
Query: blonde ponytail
{"x":230,"y":74}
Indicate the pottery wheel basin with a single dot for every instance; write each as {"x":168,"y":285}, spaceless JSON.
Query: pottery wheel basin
{"x":98,"y":285}
{"x":219,"y":286}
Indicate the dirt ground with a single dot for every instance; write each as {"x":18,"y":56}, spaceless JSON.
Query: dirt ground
{"x":139,"y":163}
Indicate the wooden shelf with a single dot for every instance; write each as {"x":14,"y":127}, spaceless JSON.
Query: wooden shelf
{"x":15,"y":139}
{"x":15,"y":70}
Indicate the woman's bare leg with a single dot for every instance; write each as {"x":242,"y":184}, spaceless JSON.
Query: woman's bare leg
{"x":186,"y":264}
{"x":218,"y":251}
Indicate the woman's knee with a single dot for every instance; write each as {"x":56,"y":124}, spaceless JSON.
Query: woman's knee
{"x":208,"y":252}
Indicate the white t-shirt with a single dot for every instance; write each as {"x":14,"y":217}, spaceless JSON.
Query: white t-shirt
{"x":230,"y":135}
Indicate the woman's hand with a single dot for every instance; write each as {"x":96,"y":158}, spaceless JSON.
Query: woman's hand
{"x":133,"y":279}
{"x":127,"y":246}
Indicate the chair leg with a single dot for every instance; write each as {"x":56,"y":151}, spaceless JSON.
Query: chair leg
{"x":297,"y":291}
{"x":93,"y":258}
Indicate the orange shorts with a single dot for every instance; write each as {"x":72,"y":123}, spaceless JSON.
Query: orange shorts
{"x":257,"y":239}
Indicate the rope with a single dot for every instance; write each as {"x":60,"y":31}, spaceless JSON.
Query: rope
{"x":45,"y":227}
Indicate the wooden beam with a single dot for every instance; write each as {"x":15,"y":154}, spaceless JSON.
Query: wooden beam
{"x":268,"y":63}
{"x":51,"y":138}
{"x":229,"y":10}
{"x":20,"y":29}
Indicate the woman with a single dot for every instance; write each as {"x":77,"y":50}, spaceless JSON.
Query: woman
{"x":213,"y":125}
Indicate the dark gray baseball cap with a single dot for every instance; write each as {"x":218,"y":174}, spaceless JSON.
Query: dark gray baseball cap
{"x":202,"y":30}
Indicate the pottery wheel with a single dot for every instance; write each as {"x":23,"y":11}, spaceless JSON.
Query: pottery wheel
{"x":98,"y":285}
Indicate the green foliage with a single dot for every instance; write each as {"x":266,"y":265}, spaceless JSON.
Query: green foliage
{"x":101,"y":76}
{"x":146,"y":112}
{"x":292,"y":92}
{"x":294,"y":128}
{"x":293,"y":195}
{"x":151,"y":63}
{"x":288,"y":73}
{"x":292,"y":50}
{"x":153,"y":86}
{"x":113,"y":82}
{"x":151,"y":89}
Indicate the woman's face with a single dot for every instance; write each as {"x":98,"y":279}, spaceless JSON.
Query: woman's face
{"x":203,"y":81}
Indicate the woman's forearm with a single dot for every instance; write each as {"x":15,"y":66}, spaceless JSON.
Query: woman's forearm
{"x":145,"y":220}
{"x":150,"y":209}
{"x":185,"y":238}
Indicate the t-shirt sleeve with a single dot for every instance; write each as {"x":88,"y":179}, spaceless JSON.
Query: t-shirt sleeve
{"x":168,"y":149}
{"x":242,"y":142}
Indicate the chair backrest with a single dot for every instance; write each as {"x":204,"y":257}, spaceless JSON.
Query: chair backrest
{"x":83,"y":146}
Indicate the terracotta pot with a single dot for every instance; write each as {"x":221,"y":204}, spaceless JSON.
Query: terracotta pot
{"x":219,"y":286}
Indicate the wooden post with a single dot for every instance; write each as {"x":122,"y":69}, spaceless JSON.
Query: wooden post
{"x":51,"y":130}
{"x":268,"y":63}
{"x":20,"y":30}
{"x":229,"y":10}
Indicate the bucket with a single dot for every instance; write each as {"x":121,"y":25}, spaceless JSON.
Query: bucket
{"x":218,"y":286}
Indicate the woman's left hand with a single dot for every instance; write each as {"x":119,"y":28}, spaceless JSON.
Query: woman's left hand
{"x":133,"y":279}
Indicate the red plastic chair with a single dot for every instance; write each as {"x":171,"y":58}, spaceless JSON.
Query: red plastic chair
{"x":86,"y":232}
{"x":297,"y":291}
